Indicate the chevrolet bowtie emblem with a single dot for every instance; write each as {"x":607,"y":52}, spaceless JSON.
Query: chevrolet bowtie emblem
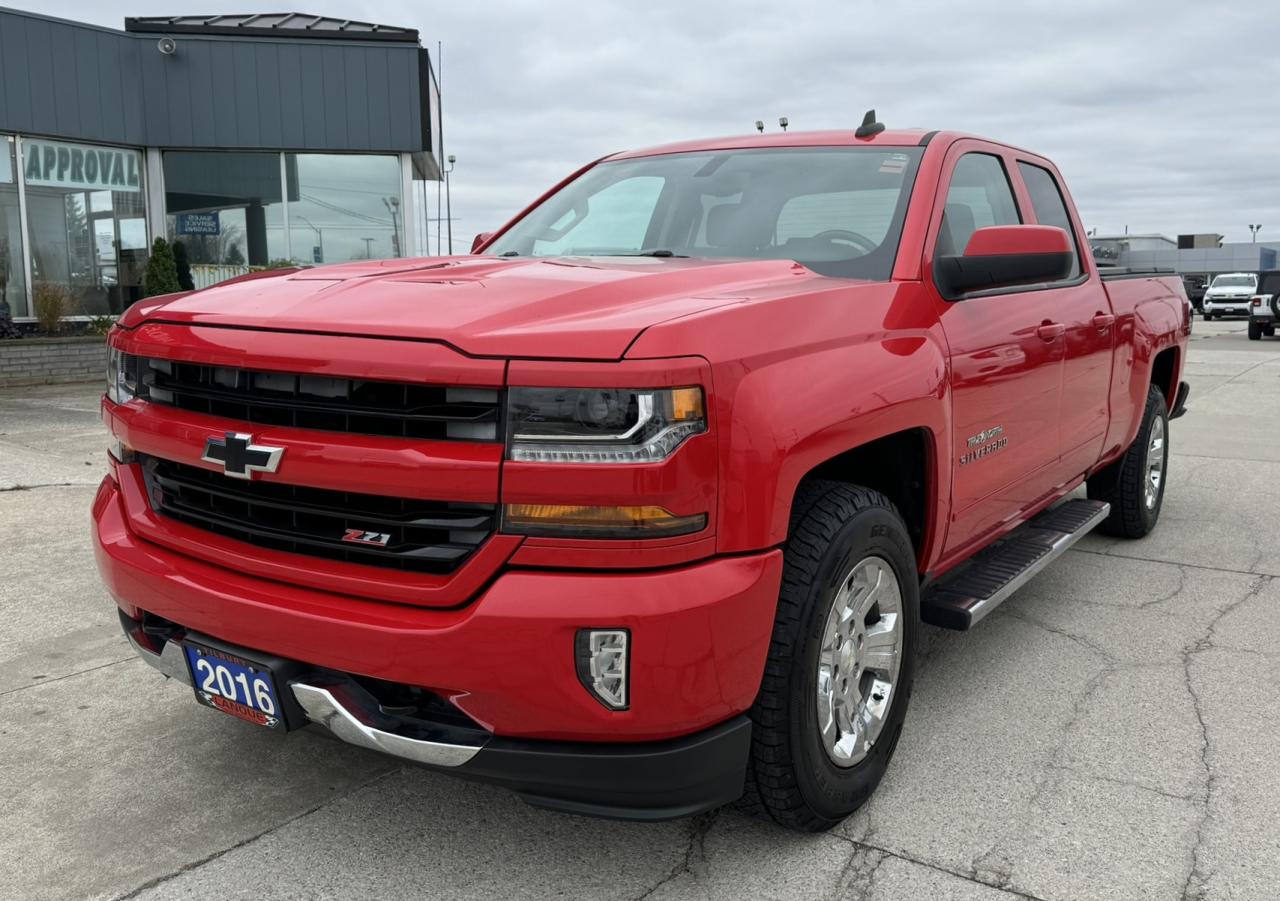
{"x":239,"y":457}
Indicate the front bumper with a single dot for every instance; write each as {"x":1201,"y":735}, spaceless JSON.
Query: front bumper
{"x":637,"y":781}
{"x":1227,"y":307}
{"x":699,"y":634}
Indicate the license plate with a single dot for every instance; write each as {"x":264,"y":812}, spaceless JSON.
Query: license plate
{"x":234,"y":685}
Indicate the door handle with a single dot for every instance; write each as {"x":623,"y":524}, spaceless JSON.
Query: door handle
{"x":1051,"y":331}
{"x":1103,"y":321}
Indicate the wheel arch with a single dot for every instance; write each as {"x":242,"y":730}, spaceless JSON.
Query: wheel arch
{"x":902,"y":466}
{"x":1165,"y":370}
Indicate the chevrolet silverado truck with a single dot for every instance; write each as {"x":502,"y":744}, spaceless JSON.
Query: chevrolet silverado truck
{"x":638,"y":508}
{"x":1229,"y":294}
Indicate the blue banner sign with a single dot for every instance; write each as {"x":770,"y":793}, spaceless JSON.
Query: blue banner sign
{"x":198,"y":224}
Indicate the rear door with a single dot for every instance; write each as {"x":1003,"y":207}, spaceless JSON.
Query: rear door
{"x":1006,"y":360}
{"x":1081,"y":305}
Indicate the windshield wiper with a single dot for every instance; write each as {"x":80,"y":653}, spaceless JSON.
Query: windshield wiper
{"x":510,"y":253}
{"x":658,"y":253}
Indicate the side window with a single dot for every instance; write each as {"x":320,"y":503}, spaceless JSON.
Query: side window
{"x":979,"y":195}
{"x":613,"y":220}
{"x":1049,"y":207}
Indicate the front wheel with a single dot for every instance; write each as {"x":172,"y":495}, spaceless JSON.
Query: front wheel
{"x":841,"y":663}
{"x":1134,"y":484}
{"x":1208,"y":317}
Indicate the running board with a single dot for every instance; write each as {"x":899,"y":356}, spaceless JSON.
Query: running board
{"x":963,"y":597}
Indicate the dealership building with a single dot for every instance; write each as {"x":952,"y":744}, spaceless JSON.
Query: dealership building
{"x":248,"y":141}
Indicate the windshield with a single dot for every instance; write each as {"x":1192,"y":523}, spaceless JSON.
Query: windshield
{"x":837,"y":210}
{"x":1234,"y":281}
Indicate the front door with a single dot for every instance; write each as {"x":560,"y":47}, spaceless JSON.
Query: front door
{"x":1007,"y":352}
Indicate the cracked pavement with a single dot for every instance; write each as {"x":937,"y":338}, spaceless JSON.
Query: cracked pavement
{"x":1110,"y":732}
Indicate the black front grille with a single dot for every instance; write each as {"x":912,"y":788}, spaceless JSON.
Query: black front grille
{"x":421,"y":536}
{"x":357,"y":406}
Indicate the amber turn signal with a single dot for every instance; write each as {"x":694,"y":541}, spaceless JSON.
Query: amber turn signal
{"x":573,"y":521}
{"x":686,"y":404}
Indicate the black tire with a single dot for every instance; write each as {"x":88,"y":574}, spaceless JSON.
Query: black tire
{"x":790,"y":777}
{"x":1208,"y":317}
{"x":1269,"y":331}
{"x":1255,"y":331}
{"x":1123,"y":483}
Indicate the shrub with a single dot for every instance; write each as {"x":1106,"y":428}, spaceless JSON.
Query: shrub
{"x":100,"y":325}
{"x":161,"y":276}
{"x":52,"y":302}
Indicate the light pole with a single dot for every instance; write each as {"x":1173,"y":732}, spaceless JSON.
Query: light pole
{"x":1253,"y":230}
{"x":448,"y":200}
{"x":319,"y":236}
{"x":393,"y":207}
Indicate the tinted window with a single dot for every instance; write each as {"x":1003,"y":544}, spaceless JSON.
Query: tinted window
{"x":979,"y":196}
{"x":837,"y":210}
{"x":1269,"y":283}
{"x":1049,"y":207}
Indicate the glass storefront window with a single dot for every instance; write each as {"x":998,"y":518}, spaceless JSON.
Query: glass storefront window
{"x":86,"y":207}
{"x":344,"y":207}
{"x":13,"y":294}
{"x":227,"y":209}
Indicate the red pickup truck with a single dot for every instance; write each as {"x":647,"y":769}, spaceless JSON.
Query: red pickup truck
{"x":637,"y":509}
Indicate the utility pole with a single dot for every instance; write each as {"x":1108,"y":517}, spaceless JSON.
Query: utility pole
{"x":1253,"y":231}
{"x":393,"y":207}
{"x":448,"y":200}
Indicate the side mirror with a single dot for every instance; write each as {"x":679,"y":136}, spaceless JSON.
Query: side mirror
{"x":480,"y":240}
{"x":1001,"y":256}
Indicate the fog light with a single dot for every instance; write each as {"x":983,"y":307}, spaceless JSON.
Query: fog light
{"x":604,"y":665}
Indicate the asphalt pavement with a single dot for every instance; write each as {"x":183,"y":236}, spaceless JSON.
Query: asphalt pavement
{"x":1112,"y":731}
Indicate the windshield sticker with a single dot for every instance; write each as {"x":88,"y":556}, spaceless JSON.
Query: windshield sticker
{"x":894,"y":164}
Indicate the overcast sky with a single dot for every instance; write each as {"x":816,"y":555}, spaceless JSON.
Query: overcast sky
{"x":1164,"y":116}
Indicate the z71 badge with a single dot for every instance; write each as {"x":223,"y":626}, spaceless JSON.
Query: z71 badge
{"x":360,"y":536}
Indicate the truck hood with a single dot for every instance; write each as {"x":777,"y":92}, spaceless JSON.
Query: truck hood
{"x":568,"y":308}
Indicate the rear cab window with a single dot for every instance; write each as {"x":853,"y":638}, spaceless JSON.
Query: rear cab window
{"x":1049,"y":206}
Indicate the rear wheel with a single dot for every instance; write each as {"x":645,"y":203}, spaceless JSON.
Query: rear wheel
{"x":1255,"y":331}
{"x":840,"y":666}
{"x":1134,"y":484}
{"x":1208,"y":317}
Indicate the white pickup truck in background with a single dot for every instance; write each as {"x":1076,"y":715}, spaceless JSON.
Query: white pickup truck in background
{"x":1229,"y":294}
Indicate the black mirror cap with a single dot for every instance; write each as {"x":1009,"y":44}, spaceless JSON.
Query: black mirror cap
{"x":958,"y":276}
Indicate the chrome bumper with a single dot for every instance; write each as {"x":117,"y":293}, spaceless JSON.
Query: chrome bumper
{"x":333,"y":707}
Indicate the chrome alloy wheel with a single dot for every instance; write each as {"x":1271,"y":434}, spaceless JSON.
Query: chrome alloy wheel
{"x":859,"y":660}
{"x":1155,"y":464}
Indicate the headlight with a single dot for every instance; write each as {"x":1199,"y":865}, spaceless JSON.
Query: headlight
{"x":122,"y":376}
{"x":601,"y":425}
